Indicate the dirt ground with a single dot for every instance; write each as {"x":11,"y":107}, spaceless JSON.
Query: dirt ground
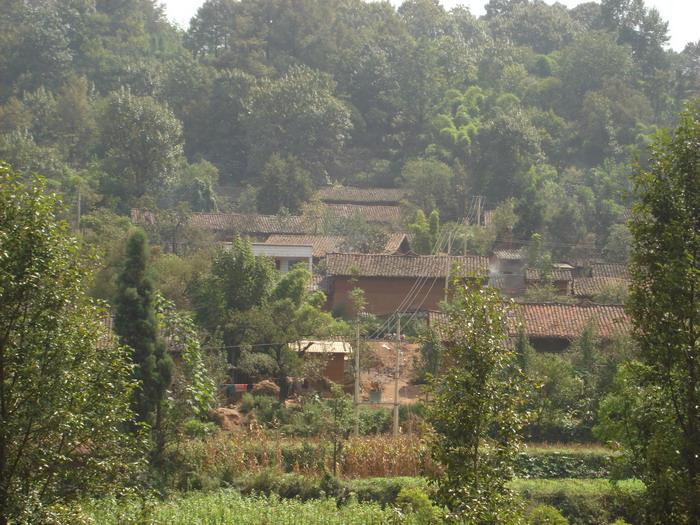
{"x":381,"y":375}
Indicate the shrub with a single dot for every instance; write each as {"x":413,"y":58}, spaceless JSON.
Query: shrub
{"x":384,"y":490}
{"x":546,"y":515}
{"x":247,"y":403}
{"x":257,"y":365}
{"x":416,"y":501}
{"x":374,"y":420}
{"x":572,"y":463}
{"x":587,"y":502}
{"x":194,"y":428}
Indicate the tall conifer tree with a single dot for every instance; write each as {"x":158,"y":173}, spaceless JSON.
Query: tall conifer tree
{"x":135,"y":322}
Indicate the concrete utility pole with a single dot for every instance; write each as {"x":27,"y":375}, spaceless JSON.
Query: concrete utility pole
{"x":357,"y":377}
{"x":396,"y":376}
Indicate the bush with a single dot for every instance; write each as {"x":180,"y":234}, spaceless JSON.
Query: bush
{"x":572,"y":463}
{"x":194,"y":428}
{"x":247,"y":403}
{"x":546,"y":515}
{"x":384,"y":490}
{"x":587,"y":502}
{"x":257,"y":365}
{"x":374,"y":420}
{"x":416,"y":501}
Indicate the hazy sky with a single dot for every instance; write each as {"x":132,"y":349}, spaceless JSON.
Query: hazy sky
{"x":683,"y":16}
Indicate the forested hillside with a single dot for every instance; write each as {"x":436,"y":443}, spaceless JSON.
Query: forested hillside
{"x":535,"y":102}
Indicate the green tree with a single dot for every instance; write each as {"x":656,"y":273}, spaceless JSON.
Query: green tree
{"x":238,"y":281}
{"x":299,"y":115}
{"x":142,"y":145}
{"x":135,"y":323}
{"x":476,"y":409}
{"x":65,"y":386}
{"x":432,"y":185}
{"x":665,"y":304}
{"x":425,"y":233}
{"x":284,"y":184}
{"x":193,"y":387}
{"x":290,"y":315}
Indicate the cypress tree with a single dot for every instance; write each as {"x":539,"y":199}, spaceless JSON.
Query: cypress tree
{"x":135,"y":323}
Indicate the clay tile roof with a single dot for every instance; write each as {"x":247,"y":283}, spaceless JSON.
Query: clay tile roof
{"x":236,"y":223}
{"x":558,"y":321}
{"x":391,"y":214}
{"x":381,"y":265}
{"x":321,"y":244}
{"x":618,"y":271}
{"x":558,"y":274}
{"x":590,"y":286}
{"x":393,"y":242}
{"x":249,"y":223}
{"x":567,"y":321}
{"x":352,"y":195}
{"x":510,"y":255}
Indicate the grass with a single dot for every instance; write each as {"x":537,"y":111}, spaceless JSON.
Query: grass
{"x":583,"y":502}
{"x":227,"y":507}
{"x":567,"y":448}
{"x":580,"y":487}
{"x":586,"y":501}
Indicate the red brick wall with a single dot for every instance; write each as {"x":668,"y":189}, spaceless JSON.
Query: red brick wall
{"x":335,"y":368}
{"x":384,"y":295}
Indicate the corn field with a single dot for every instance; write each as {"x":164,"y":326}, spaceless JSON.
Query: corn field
{"x":226,"y":457}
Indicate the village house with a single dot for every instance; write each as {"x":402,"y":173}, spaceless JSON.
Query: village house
{"x":552,"y":327}
{"x":561,"y":278}
{"x":329,"y":355}
{"x":396,"y":282}
{"x":286,"y":255}
{"x":225,"y":226}
{"x":381,"y":206}
{"x":352,"y":195}
{"x":396,"y":243}
{"x":508,"y":271}
{"x":587,"y":288}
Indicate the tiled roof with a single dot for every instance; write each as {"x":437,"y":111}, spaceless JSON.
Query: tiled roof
{"x":394,"y":241}
{"x":510,"y":255}
{"x":324,"y":244}
{"x":590,"y":286}
{"x":609,"y":270}
{"x":567,"y":321}
{"x":249,"y":223}
{"x":558,"y":274}
{"x":558,"y":321}
{"x":371,"y":213}
{"x":321,"y":244}
{"x":231,"y":223}
{"x":376,"y":265}
{"x":352,"y":195}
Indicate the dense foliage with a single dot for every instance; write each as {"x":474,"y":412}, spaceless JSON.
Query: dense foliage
{"x":65,"y":385}
{"x":662,"y":412}
{"x":541,"y":103}
{"x":135,"y":323}
{"x":476,"y":410}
